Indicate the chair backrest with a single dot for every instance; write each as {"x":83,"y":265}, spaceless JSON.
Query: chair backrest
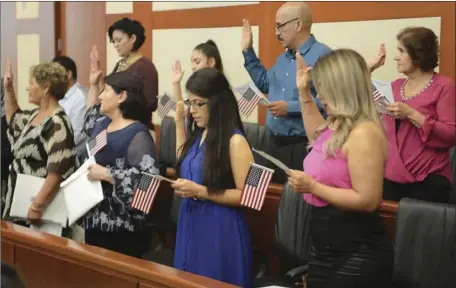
{"x":425,"y":244}
{"x":292,"y":233}
{"x":260,"y":140}
{"x":167,"y":145}
{"x":10,"y":277}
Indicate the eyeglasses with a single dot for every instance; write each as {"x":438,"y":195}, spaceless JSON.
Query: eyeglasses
{"x":194,"y":104}
{"x":279,"y":26}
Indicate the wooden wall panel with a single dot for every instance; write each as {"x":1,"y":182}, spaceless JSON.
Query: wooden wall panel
{"x":83,"y":26}
{"x":357,"y":11}
{"x":10,"y":27}
{"x":7,"y":252}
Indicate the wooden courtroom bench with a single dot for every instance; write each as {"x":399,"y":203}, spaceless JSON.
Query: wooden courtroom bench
{"x":46,"y":261}
{"x":262,"y":223}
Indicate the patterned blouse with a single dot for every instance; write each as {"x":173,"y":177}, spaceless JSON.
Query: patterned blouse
{"x":128,"y":152}
{"x":39,"y":150}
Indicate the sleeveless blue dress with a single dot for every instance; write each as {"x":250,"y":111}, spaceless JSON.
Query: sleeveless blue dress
{"x":212,"y":240}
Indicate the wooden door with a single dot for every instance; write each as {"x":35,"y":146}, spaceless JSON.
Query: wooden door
{"x":28,"y":37}
{"x":82,"y":25}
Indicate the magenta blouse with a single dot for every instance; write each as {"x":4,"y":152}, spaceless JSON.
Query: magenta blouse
{"x":414,"y":153}
{"x":332,"y":170}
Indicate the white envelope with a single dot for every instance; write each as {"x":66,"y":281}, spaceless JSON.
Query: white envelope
{"x":27,"y":187}
{"x":385,"y":88}
{"x":80,"y":194}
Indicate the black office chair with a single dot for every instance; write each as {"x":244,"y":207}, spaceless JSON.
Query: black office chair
{"x":291,"y":241}
{"x":167,"y":145}
{"x":10,"y":277}
{"x":425,"y":245}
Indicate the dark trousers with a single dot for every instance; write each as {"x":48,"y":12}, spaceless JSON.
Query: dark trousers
{"x":291,"y":150}
{"x":434,"y":188}
{"x":129,"y":243}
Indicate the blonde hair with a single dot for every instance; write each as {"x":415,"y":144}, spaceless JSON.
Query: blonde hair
{"x":343,"y":80}
{"x":52,"y":75}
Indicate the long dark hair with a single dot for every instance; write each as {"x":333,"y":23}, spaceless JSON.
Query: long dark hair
{"x":210,"y":50}
{"x":135,"y":105}
{"x":224,"y":119}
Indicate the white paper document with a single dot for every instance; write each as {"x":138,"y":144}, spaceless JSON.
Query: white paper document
{"x":243,"y":88}
{"x":50,"y":228}
{"x":275,"y":161}
{"x":80,"y":193}
{"x":27,"y":187}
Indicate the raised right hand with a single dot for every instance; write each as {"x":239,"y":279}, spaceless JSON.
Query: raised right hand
{"x":180,"y":112}
{"x":378,"y":60}
{"x":95,"y":71}
{"x":8,"y":78}
{"x":247,"y":36}
{"x":177,"y":72}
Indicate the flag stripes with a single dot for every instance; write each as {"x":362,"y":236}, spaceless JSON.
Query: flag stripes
{"x":165,"y":103}
{"x":255,"y":187}
{"x":145,"y":193}
{"x":248,"y":102}
{"x":98,"y":143}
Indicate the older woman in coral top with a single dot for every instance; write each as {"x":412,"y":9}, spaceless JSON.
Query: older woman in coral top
{"x":421,"y":126}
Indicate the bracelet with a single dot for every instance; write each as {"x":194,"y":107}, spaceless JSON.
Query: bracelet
{"x":34,"y":208}
{"x":305,"y":102}
{"x":111,"y":179}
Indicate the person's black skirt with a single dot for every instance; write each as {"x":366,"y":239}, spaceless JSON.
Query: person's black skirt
{"x":349,"y":249}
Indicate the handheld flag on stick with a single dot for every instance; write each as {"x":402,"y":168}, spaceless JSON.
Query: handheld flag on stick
{"x":165,"y":103}
{"x":255,"y":187}
{"x":145,"y":193}
{"x":250,"y":97}
{"x":96,"y":144}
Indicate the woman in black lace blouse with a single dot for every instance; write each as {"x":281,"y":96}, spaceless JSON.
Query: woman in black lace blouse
{"x":130,"y":150}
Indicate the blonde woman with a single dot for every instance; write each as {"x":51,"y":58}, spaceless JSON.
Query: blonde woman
{"x":41,"y":139}
{"x":344,"y":175}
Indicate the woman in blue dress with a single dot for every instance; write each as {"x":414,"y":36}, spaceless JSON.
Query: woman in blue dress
{"x":130,"y":150}
{"x":213,"y":162}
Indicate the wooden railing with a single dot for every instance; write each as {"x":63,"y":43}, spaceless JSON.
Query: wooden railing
{"x":46,"y":261}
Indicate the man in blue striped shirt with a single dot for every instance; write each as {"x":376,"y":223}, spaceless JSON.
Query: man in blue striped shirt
{"x":284,"y":119}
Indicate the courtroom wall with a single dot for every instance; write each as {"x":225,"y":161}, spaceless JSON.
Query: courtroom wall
{"x":174,"y":28}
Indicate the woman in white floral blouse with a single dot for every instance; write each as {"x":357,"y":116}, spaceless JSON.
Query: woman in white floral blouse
{"x":130,"y":150}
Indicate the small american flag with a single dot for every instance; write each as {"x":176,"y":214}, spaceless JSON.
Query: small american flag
{"x":248,"y":102}
{"x":145,"y":193}
{"x":377,"y":94}
{"x":165,"y":103}
{"x":97,"y":143}
{"x":255,"y":186}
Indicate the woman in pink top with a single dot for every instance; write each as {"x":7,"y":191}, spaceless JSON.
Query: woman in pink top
{"x":343,"y":178}
{"x":422,"y":126}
